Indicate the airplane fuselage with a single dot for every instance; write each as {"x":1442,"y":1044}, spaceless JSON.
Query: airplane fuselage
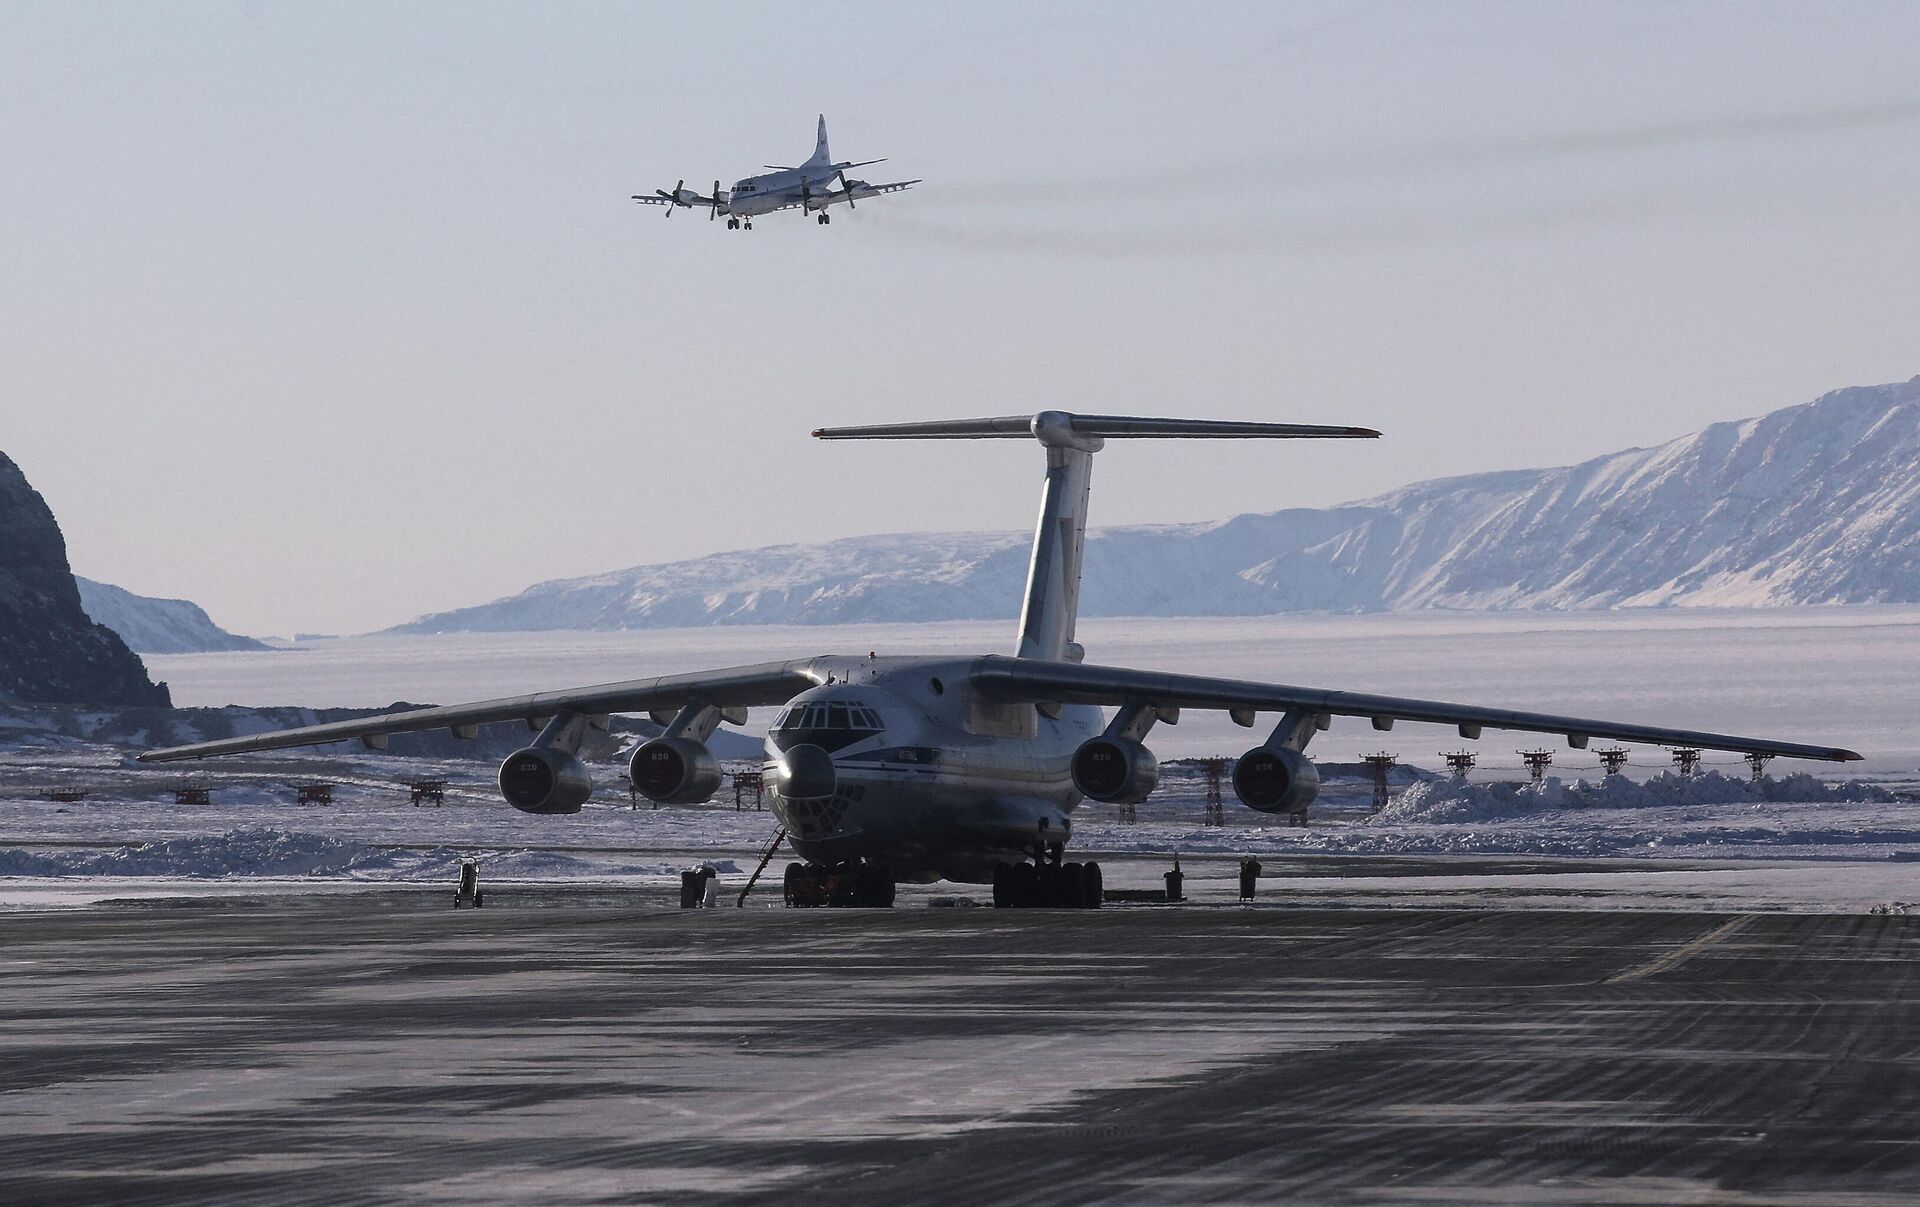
{"x":757,"y":195}
{"x":930,"y":780}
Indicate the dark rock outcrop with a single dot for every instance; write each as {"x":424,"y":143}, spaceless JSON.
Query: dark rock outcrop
{"x":50,"y":651}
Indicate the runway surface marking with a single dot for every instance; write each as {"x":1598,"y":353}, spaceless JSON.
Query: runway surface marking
{"x":1684,"y":952}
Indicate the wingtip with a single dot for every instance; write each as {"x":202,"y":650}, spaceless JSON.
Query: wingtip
{"x":1365,"y":433}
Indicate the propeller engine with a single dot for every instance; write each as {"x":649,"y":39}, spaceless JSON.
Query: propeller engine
{"x":1115,"y":770}
{"x":543,"y":780}
{"x":1271,"y":779}
{"x":674,"y":771}
{"x":846,"y":188}
{"x":678,"y":198}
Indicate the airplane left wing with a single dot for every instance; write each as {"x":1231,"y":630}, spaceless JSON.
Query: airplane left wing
{"x":1039,"y":682}
{"x":737,"y":687}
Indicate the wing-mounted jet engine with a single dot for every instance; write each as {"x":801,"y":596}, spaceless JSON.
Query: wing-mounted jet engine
{"x":676,"y":768}
{"x":548,"y":776}
{"x":1278,"y":777}
{"x":1116,"y":768}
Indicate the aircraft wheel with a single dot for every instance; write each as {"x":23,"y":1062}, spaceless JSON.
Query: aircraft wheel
{"x":1002,"y":886}
{"x":873,"y":887}
{"x":792,"y":885}
{"x":1092,"y":888}
{"x":1024,"y":881}
{"x":1071,"y":885}
{"x":1046,"y":885}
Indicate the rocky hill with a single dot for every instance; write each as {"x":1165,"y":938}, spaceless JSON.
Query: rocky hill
{"x":1813,"y":504}
{"x":158,"y":626}
{"x":50,"y":651}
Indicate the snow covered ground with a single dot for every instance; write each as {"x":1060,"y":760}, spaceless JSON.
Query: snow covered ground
{"x":1795,"y":843}
{"x":1845,"y":675}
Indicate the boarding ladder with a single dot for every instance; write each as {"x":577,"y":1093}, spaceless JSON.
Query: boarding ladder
{"x":765,"y":859}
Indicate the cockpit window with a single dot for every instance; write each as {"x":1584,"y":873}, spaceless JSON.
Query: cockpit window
{"x":829,"y":725}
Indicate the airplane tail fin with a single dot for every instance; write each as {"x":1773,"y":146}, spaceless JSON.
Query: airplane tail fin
{"x":820,"y":155}
{"x":1052,"y":604}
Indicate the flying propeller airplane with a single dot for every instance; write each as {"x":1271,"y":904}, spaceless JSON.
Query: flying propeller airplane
{"x":808,"y":187}
{"x":913,"y":769}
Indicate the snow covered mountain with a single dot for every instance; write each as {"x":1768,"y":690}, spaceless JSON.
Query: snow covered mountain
{"x":157,"y":626}
{"x":1813,"y":504}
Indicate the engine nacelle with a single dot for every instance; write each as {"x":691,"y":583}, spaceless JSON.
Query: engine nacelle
{"x":1115,"y":770}
{"x":1275,"y":781}
{"x":674,"y":771}
{"x":542,"y":780}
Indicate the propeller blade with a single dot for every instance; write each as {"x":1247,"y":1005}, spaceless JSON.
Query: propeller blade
{"x":713,"y":209}
{"x":847,"y":187}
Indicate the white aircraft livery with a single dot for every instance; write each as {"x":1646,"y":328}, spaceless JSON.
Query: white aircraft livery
{"x":912,"y":769}
{"x":807,"y":188}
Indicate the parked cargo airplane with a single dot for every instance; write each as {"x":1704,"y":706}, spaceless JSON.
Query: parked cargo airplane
{"x":808,"y":188}
{"x":916,"y":769}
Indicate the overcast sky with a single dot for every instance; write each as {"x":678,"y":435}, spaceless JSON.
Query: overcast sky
{"x":327,"y":315}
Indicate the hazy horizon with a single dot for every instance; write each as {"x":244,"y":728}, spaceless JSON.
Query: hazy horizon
{"x":328,"y":318}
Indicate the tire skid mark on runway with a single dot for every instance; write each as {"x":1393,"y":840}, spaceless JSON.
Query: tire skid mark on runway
{"x":1157,"y":1055}
{"x":1683,"y":953}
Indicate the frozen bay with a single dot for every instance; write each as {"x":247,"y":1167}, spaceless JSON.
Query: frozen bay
{"x":1847,"y":675}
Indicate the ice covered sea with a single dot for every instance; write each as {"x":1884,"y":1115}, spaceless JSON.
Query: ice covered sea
{"x":1843,"y":675}
{"x":1850,"y":676}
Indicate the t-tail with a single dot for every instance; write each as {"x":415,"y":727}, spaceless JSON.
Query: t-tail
{"x":1052,"y":602}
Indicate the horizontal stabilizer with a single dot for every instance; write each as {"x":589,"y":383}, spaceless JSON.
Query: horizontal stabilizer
{"x":1092,"y":426}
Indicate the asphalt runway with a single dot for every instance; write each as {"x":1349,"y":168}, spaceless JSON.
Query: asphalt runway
{"x":572,"y":1047}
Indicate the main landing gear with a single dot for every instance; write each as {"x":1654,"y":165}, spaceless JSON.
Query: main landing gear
{"x":734,"y":224}
{"x":1047,"y":883}
{"x":824,"y":219}
{"x":846,"y":885}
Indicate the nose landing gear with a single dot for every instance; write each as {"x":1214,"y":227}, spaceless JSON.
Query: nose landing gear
{"x":1047,"y":883}
{"x":842,"y":886}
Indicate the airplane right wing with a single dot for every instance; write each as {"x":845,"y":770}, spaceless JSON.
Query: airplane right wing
{"x":736,"y":687}
{"x":863,"y":189}
{"x":1043,"y":682}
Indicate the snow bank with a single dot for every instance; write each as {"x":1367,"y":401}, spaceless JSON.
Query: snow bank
{"x":279,"y":854}
{"x":237,"y":853}
{"x":1452,"y":801}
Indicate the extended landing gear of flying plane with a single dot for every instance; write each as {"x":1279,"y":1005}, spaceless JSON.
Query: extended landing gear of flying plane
{"x":824,"y":219}
{"x":1047,"y":883}
{"x":734,"y":224}
{"x":846,"y":885}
